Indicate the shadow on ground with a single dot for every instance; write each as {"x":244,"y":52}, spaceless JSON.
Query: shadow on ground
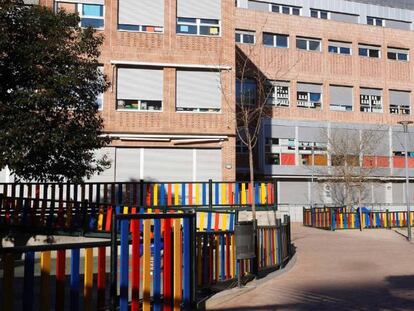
{"x":397,"y":294}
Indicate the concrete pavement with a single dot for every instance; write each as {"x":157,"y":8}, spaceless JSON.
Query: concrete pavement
{"x":342,"y":270}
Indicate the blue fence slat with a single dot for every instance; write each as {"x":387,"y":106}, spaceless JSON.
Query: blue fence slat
{"x":256,"y":193}
{"x":183,"y":194}
{"x":231,"y":226}
{"x":157,"y":265}
{"x":123,"y":281}
{"x":28,"y":281}
{"x":217,"y":193}
{"x":162,"y":195}
{"x":119,"y":194}
{"x":237,"y":193}
{"x":74,"y":279}
{"x":186,"y":264}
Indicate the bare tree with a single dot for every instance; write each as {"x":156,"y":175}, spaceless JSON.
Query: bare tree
{"x":353,"y":163}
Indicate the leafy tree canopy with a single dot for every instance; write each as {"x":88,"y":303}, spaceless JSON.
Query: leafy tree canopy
{"x":49,"y":83}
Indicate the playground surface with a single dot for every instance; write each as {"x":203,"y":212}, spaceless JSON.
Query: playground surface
{"x":341,"y":270}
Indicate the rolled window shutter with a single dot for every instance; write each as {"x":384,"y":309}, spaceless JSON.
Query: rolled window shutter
{"x":208,"y":9}
{"x":279,"y":131}
{"x":141,"y":12}
{"x":127,"y":164}
{"x":312,"y":134}
{"x":307,"y":87}
{"x":398,"y":24}
{"x":259,"y":6}
{"x":346,"y":18}
{"x":144,"y":84}
{"x":376,"y":92}
{"x":100,"y":2}
{"x":340,"y":44}
{"x":341,"y":95}
{"x":198,"y":89}
{"x":400,"y":98}
{"x":208,"y":164}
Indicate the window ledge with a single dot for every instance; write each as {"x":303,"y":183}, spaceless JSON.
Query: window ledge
{"x":142,"y":111}
{"x":195,"y":35}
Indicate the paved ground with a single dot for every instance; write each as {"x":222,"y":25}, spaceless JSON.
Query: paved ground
{"x":342,"y":270}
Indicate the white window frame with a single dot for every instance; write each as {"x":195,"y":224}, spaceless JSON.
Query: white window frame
{"x":243,"y":33}
{"x":401,"y":51}
{"x":139,"y":106}
{"x":140,"y":28}
{"x":283,"y":146}
{"x":198,"y":25}
{"x":281,"y":6}
{"x":308,"y":40}
{"x":371,"y":107}
{"x":338,"y":52}
{"x":309,"y":104}
{"x":328,"y":14}
{"x":79,"y":10}
{"x":275,"y":40}
{"x":275,"y":101}
{"x":373,"y":47}
{"x":374,"y":21}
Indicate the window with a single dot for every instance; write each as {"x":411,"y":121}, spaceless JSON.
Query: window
{"x":278,"y":94}
{"x":343,"y":17}
{"x":369,"y":51}
{"x":375,"y":21}
{"x":91,"y":14}
{"x":139,"y":89}
{"x":370,"y":100}
{"x":319,"y":14}
{"x":198,"y":91}
{"x":142,"y":16}
{"x":245,"y":36}
{"x":308,"y":44}
{"x":341,"y":98}
{"x":99,"y":98}
{"x":309,"y":95}
{"x":245,"y":91}
{"x":275,"y":40}
{"x":400,"y":102}
{"x":285,"y":9}
{"x":313,"y":153}
{"x":398,"y":54}
{"x":336,"y":47}
{"x":198,"y":26}
{"x":241,"y":148}
{"x":280,"y":151}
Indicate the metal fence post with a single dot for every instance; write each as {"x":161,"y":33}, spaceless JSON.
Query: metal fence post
{"x":114,"y":263}
{"x":388,"y":219}
{"x":193,"y":230}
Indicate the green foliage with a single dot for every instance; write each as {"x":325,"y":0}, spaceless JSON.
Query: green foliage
{"x":49,"y":82}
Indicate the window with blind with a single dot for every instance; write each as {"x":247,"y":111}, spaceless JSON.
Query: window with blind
{"x":371,"y":51}
{"x":278,"y":93}
{"x":199,"y":17}
{"x":400,"y":102}
{"x":309,"y":95}
{"x":198,"y":91}
{"x":142,"y":15}
{"x":370,"y":100}
{"x":341,"y":98}
{"x":139,"y":89}
{"x":337,"y":47}
{"x":398,"y":54}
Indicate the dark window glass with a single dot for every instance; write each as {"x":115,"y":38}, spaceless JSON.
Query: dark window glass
{"x":281,"y":41}
{"x":301,"y":44}
{"x":314,"y":13}
{"x":378,"y":22}
{"x":363,"y":52}
{"x":345,"y":50}
{"x":209,"y":21}
{"x":285,"y":10}
{"x":191,"y":29}
{"x":314,"y":45}
{"x":248,"y":39}
{"x":275,"y":8}
{"x":374,"y":53}
{"x":332,"y":49}
{"x":295,"y":11}
{"x":209,"y":31}
{"x":392,"y":55}
{"x":402,"y":56}
{"x":324,"y":15}
{"x":267,"y":39}
{"x":186,"y":20}
{"x":238,"y":37}
{"x":315,"y":97}
{"x":128,"y":27}
{"x":92,"y":22}
{"x":370,"y":21}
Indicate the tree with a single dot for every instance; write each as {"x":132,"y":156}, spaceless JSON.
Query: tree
{"x":49,"y":83}
{"x":352,"y":153}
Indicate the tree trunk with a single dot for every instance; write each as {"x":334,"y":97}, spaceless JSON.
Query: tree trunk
{"x":251,"y":188}
{"x":361,"y":226}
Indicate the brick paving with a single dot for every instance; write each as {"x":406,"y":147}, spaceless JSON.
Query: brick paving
{"x":342,"y":270}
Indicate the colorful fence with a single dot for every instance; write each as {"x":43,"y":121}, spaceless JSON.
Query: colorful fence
{"x":274,"y":244}
{"x":150,"y":194}
{"x":45,"y":289}
{"x":170,"y":282}
{"x":42,"y":215}
{"x":340,"y":218}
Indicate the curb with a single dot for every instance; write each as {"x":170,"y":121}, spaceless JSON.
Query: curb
{"x":214,"y":302}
